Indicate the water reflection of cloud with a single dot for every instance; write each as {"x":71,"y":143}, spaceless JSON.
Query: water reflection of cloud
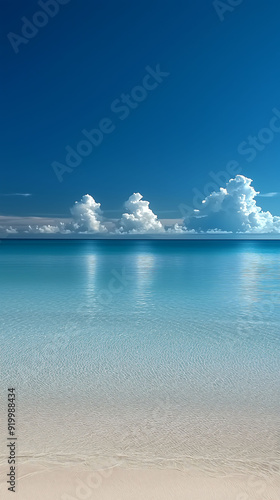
{"x":90,"y":279}
{"x":144,"y":270}
{"x":257,"y":276}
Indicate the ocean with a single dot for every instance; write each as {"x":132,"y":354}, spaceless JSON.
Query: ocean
{"x":143,"y":353}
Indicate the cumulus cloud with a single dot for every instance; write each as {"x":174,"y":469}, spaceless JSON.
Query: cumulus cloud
{"x":86,"y":219}
{"x":140,"y":219}
{"x":11,"y":230}
{"x":87,"y":216}
{"x":179,"y":229}
{"x":48,"y":229}
{"x":233,"y":209}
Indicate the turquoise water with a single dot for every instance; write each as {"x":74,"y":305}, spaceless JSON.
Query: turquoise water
{"x":146,"y":353}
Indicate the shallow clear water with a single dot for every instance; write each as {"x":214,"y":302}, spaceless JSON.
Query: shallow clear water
{"x":144,"y":353}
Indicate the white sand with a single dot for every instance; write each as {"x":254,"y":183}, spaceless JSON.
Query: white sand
{"x":77,"y":483}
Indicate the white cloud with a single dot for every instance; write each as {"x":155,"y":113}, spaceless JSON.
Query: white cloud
{"x":179,"y":229}
{"x":48,"y":229}
{"x":217,"y":231}
{"x":141,"y":218}
{"x":87,"y":216}
{"x":233,"y":209}
{"x":268,"y":195}
{"x":176,"y":228}
{"x":11,"y":230}
{"x":16,"y":194}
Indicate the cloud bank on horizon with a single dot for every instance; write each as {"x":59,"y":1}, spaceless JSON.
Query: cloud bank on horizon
{"x":232,"y":209}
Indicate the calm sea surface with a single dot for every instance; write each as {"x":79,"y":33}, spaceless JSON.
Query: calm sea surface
{"x":146,"y":353}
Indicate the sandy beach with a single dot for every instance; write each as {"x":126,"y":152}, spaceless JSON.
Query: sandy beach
{"x":79,"y":483}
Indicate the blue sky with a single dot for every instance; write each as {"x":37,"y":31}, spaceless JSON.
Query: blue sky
{"x":222,"y":86}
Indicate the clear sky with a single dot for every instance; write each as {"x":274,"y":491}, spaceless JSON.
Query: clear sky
{"x":220,"y":86}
